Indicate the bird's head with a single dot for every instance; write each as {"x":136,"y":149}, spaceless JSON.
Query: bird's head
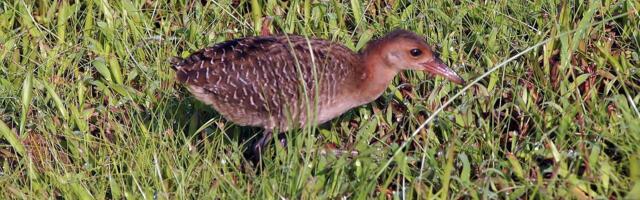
{"x":404,"y":50}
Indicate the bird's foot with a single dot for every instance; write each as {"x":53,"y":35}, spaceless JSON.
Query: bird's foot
{"x":261,"y":144}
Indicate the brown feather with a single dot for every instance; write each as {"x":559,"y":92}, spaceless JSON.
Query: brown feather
{"x":260,"y":81}
{"x":282,"y":82}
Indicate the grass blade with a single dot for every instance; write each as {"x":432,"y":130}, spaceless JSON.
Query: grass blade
{"x":356,"y":8}
{"x":256,"y":13}
{"x":516,"y":167}
{"x":58,"y":102}
{"x":12,"y":138}
{"x":471,"y":84}
{"x":27,"y":89}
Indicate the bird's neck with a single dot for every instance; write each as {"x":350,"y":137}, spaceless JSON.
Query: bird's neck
{"x":374,"y":79}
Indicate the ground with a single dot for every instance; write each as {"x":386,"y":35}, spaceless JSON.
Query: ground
{"x":89,"y":107}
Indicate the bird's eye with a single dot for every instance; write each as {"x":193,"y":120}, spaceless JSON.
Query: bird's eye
{"x":416,"y":52}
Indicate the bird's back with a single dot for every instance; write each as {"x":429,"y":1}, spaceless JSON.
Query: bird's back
{"x":271,"y":82}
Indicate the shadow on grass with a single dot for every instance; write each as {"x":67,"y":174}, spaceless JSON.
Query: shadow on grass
{"x":193,"y":119}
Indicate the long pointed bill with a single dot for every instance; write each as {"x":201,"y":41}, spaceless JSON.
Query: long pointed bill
{"x":437,"y":67}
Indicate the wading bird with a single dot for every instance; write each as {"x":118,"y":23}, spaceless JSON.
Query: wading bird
{"x":288,"y":81}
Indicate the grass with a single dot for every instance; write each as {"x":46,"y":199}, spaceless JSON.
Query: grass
{"x":89,"y":107}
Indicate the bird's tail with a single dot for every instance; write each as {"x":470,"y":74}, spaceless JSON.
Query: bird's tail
{"x":176,"y":63}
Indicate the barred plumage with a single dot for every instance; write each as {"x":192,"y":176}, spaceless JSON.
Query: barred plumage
{"x":258,"y":81}
{"x":282,"y":82}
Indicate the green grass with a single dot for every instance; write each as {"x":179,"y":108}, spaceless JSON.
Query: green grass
{"x":89,"y":107}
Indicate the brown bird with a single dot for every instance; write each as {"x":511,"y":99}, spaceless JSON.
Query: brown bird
{"x":288,"y":81}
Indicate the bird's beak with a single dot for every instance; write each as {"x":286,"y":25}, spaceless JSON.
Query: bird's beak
{"x":437,"y":67}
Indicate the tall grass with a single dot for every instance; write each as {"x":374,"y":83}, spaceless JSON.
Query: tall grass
{"x":89,"y":107}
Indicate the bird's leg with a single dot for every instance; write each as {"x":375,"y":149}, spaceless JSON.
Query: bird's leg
{"x":259,"y":145}
{"x":267,"y":135}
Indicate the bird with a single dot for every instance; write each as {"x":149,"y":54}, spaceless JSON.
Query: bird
{"x":283,"y":82}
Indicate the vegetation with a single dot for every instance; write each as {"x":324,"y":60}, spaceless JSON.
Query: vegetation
{"x":89,"y":107}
